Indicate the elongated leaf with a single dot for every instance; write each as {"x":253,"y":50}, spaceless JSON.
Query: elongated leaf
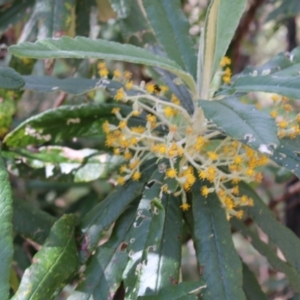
{"x":164,"y":264}
{"x":251,"y":287}
{"x":81,"y":47}
{"x":146,"y":235}
{"x":278,"y":264}
{"x":281,"y":236}
{"x":222,"y":19}
{"x":242,"y":122}
{"x":64,"y":122}
{"x":106,"y":212}
{"x":53,"y":264}
{"x":214,"y":248}
{"x":285,"y":10}
{"x":287,"y":155}
{"x":121,"y":7}
{"x":172,"y":31}
{"x":6,"y":231}
{"x":104,"y":271}
{"x":287,"y":86}
{"x":181,"y":291}
{"x":31,"y":222}
{"x":10,"y":79}
{"x":279,"y":75}
{"x":135,"y":27}
{"x":50,"y":84}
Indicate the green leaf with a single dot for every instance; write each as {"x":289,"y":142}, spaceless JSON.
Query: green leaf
{"x":14,"y":13}
{"x":62,"y":123}
{"x":146,"y":236}
{"x":121,"y":7}
{"x":104,"y":271}
{"x":251,"y":286}
{"x":135,"y":27}
{"x":243,"y":122}
{"x":50,"y":84}
{"x":286,"y":10}
{"x":172,"y":31}
{"x":281,"y":236}
{"x":6,"y":231}
{"x":280,"y":75}
{"x":10,"y":79}
{"x":83,"y":165}
{"x":287,"y":155}
{"x":181,"y":291}
{"x":164,"y":263}
{"x":214,"y":248}
{"x":31,"y":222}
{"x":265,"y":249}
{"x":81,"y":47}
{"x":53,"y":264}
{"x":222,"y":19}
{"x":107,"y":211}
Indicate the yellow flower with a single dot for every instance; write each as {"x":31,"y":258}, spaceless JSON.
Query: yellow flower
{"x":171,"y":173}
{"x":129,"y":85}
{"x":185,"y":206}
{"x":121,"y":180}
{"x":117,"y":74}
{"x":211,"y":173}
{"x":105,"y":127}
{"x":136,"y":176}
{"x":225,"y":61}
{"x":238,"y":160}
{"x":239,"y":214}
{"x":117,"y":151}
{"x":200,"y":141}
{"x":122,"y":124}
{"x":150,"y":88}
{"x":103,"y":72}
{"x":273,"y":113}
{"x":169,"y":111}
{"x":139,"y":129}
{"x":151,"y":118}
{"x":127,"y":155}
{"x":123,"y":169}
{"x":205,"y":191}
{"x":175,"y":100}
{"x":120,"y":94}
{"x":202,"y":175}
{"x":288,"y":107}
{"x":235,"y":190}
{"x":136,"y":113}
{"x":127,"y":75}
{"x":226,"y":78}
{"x":115,"y":110}
{"x":282,"y":124}
{"x":134,"y":163}
{"x":275,"y":97}
{"x":212,"y":155}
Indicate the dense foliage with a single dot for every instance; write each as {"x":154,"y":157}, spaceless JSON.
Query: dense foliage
{"x":165,"y":145}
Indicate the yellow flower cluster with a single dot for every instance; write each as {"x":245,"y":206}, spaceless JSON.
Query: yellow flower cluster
{"x":226,"y":77}
{"x":287,"y":122}
{"x":189,"y":143}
